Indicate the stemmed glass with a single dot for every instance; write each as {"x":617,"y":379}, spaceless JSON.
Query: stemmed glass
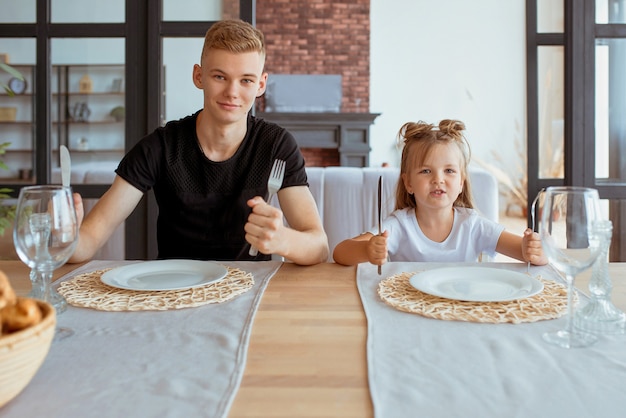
{"x":572,"y":243}
{"x":45,"y":236}
{"x":600,"y":316}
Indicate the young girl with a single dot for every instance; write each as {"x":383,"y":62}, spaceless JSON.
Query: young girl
{"x":434,"y":219}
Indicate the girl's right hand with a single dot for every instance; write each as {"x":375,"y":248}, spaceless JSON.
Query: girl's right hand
{"x":377,"y":249}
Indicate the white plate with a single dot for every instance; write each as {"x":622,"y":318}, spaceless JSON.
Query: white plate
{"x":164,"y":275}
{"x":476,"y":284}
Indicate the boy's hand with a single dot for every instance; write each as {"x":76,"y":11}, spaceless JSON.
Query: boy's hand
{"x":80,"y":210}
{"x":265,"y":226}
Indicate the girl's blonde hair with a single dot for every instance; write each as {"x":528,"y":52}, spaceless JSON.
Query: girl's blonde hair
{"x":234,"y":35}
{"x":419,"y":139}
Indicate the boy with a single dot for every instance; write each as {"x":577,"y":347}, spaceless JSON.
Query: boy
{"x":208,"y":170}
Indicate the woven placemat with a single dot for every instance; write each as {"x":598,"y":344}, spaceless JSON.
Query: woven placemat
{"x":87,"y":291}
{"x":550,"y":303}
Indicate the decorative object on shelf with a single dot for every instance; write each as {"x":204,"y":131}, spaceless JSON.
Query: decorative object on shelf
{"x":116,"y":86}
{"x":8,"y":114}
{"x":18,"y":85}
{"x":83,"y":144}
{"x":25,"y":173}
{"x":11,"y":71}
{"x":85,"y":84}
{"x":80,"y":112}
{"x":4,"y":58}
{"x":118,"y":113}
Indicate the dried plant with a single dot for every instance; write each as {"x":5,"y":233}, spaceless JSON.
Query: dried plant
{"x":514,"y":182}
{"x":512,"y":175}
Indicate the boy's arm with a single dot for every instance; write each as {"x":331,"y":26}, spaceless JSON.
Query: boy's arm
{"x":111,"y":210}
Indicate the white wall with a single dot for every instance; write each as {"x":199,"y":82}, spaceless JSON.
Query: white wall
{"x":432,"y":60}
{"x":182,"y":97}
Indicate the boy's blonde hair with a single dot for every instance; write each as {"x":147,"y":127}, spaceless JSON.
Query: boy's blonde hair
{"x":419,"y":139}
{"x":234,"y":36}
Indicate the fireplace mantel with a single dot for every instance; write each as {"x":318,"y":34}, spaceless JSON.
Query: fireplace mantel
{"x":348,"y":133}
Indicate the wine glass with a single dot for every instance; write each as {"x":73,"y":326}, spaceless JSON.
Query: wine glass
{"x":572,"y":243}
{"x":45,"y":236}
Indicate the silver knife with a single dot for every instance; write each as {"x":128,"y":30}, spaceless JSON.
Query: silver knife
{"x":380,"y":213}
{"x":66,"y":166}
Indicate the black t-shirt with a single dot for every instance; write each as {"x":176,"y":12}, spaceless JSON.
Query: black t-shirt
{"x":202,"y":203}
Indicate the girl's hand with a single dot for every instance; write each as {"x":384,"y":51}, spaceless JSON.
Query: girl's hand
{"x":377,"y":249}
{"x":532,"y":249}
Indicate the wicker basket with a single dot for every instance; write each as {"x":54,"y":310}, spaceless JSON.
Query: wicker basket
{"x":23,"y":352}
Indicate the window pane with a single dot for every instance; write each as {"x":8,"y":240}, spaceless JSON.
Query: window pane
{"x":179,"y":57}
{"x":88,"y":98}
{"x":199,"y":10}
{"x":87,"y":11}
{"x":550,"y":17}
{"x":17,"y":112}
{"x":610,"y":107}
{"x":610,"y":11}
{"x":23,"y":11}
{"x":551,"y":111}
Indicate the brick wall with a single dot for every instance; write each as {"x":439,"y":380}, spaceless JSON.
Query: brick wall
{"x":320,"y":157}
{"x":320,"y":37}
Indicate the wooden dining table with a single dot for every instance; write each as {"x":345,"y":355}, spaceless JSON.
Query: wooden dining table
{"x":307,"y":352}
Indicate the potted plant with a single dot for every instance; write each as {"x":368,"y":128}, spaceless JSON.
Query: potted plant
{"x":7,"y":212}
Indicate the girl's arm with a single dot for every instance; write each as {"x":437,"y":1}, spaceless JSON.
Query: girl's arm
{"x":527,"y":248}
{"x":363,"y":248}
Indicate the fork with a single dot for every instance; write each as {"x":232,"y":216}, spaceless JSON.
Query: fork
{"x":273,"y":185}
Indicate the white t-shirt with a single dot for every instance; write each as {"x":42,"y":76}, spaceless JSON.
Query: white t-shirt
{"x":471,"y":235}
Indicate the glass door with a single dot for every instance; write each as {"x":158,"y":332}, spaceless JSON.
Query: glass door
{"x":576,"y":100}
{"x":178,"y":34}
{"x":609,"y":137}
{"x":93,"y":82}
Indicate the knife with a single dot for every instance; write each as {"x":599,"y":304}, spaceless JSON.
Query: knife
{"x":380,"y":213}
{"x":66,"y":166}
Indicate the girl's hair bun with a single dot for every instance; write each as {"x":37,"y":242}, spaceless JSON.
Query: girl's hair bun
{"x":452,"y":127}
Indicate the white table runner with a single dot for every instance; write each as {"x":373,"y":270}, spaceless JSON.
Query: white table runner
{"x":177,"y":363}
{"x":432,"y":368}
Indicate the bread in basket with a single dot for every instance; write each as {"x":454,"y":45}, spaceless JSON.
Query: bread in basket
{"x":26,"y":331}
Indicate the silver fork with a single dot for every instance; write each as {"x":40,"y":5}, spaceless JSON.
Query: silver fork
{"x":273,"y":185}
